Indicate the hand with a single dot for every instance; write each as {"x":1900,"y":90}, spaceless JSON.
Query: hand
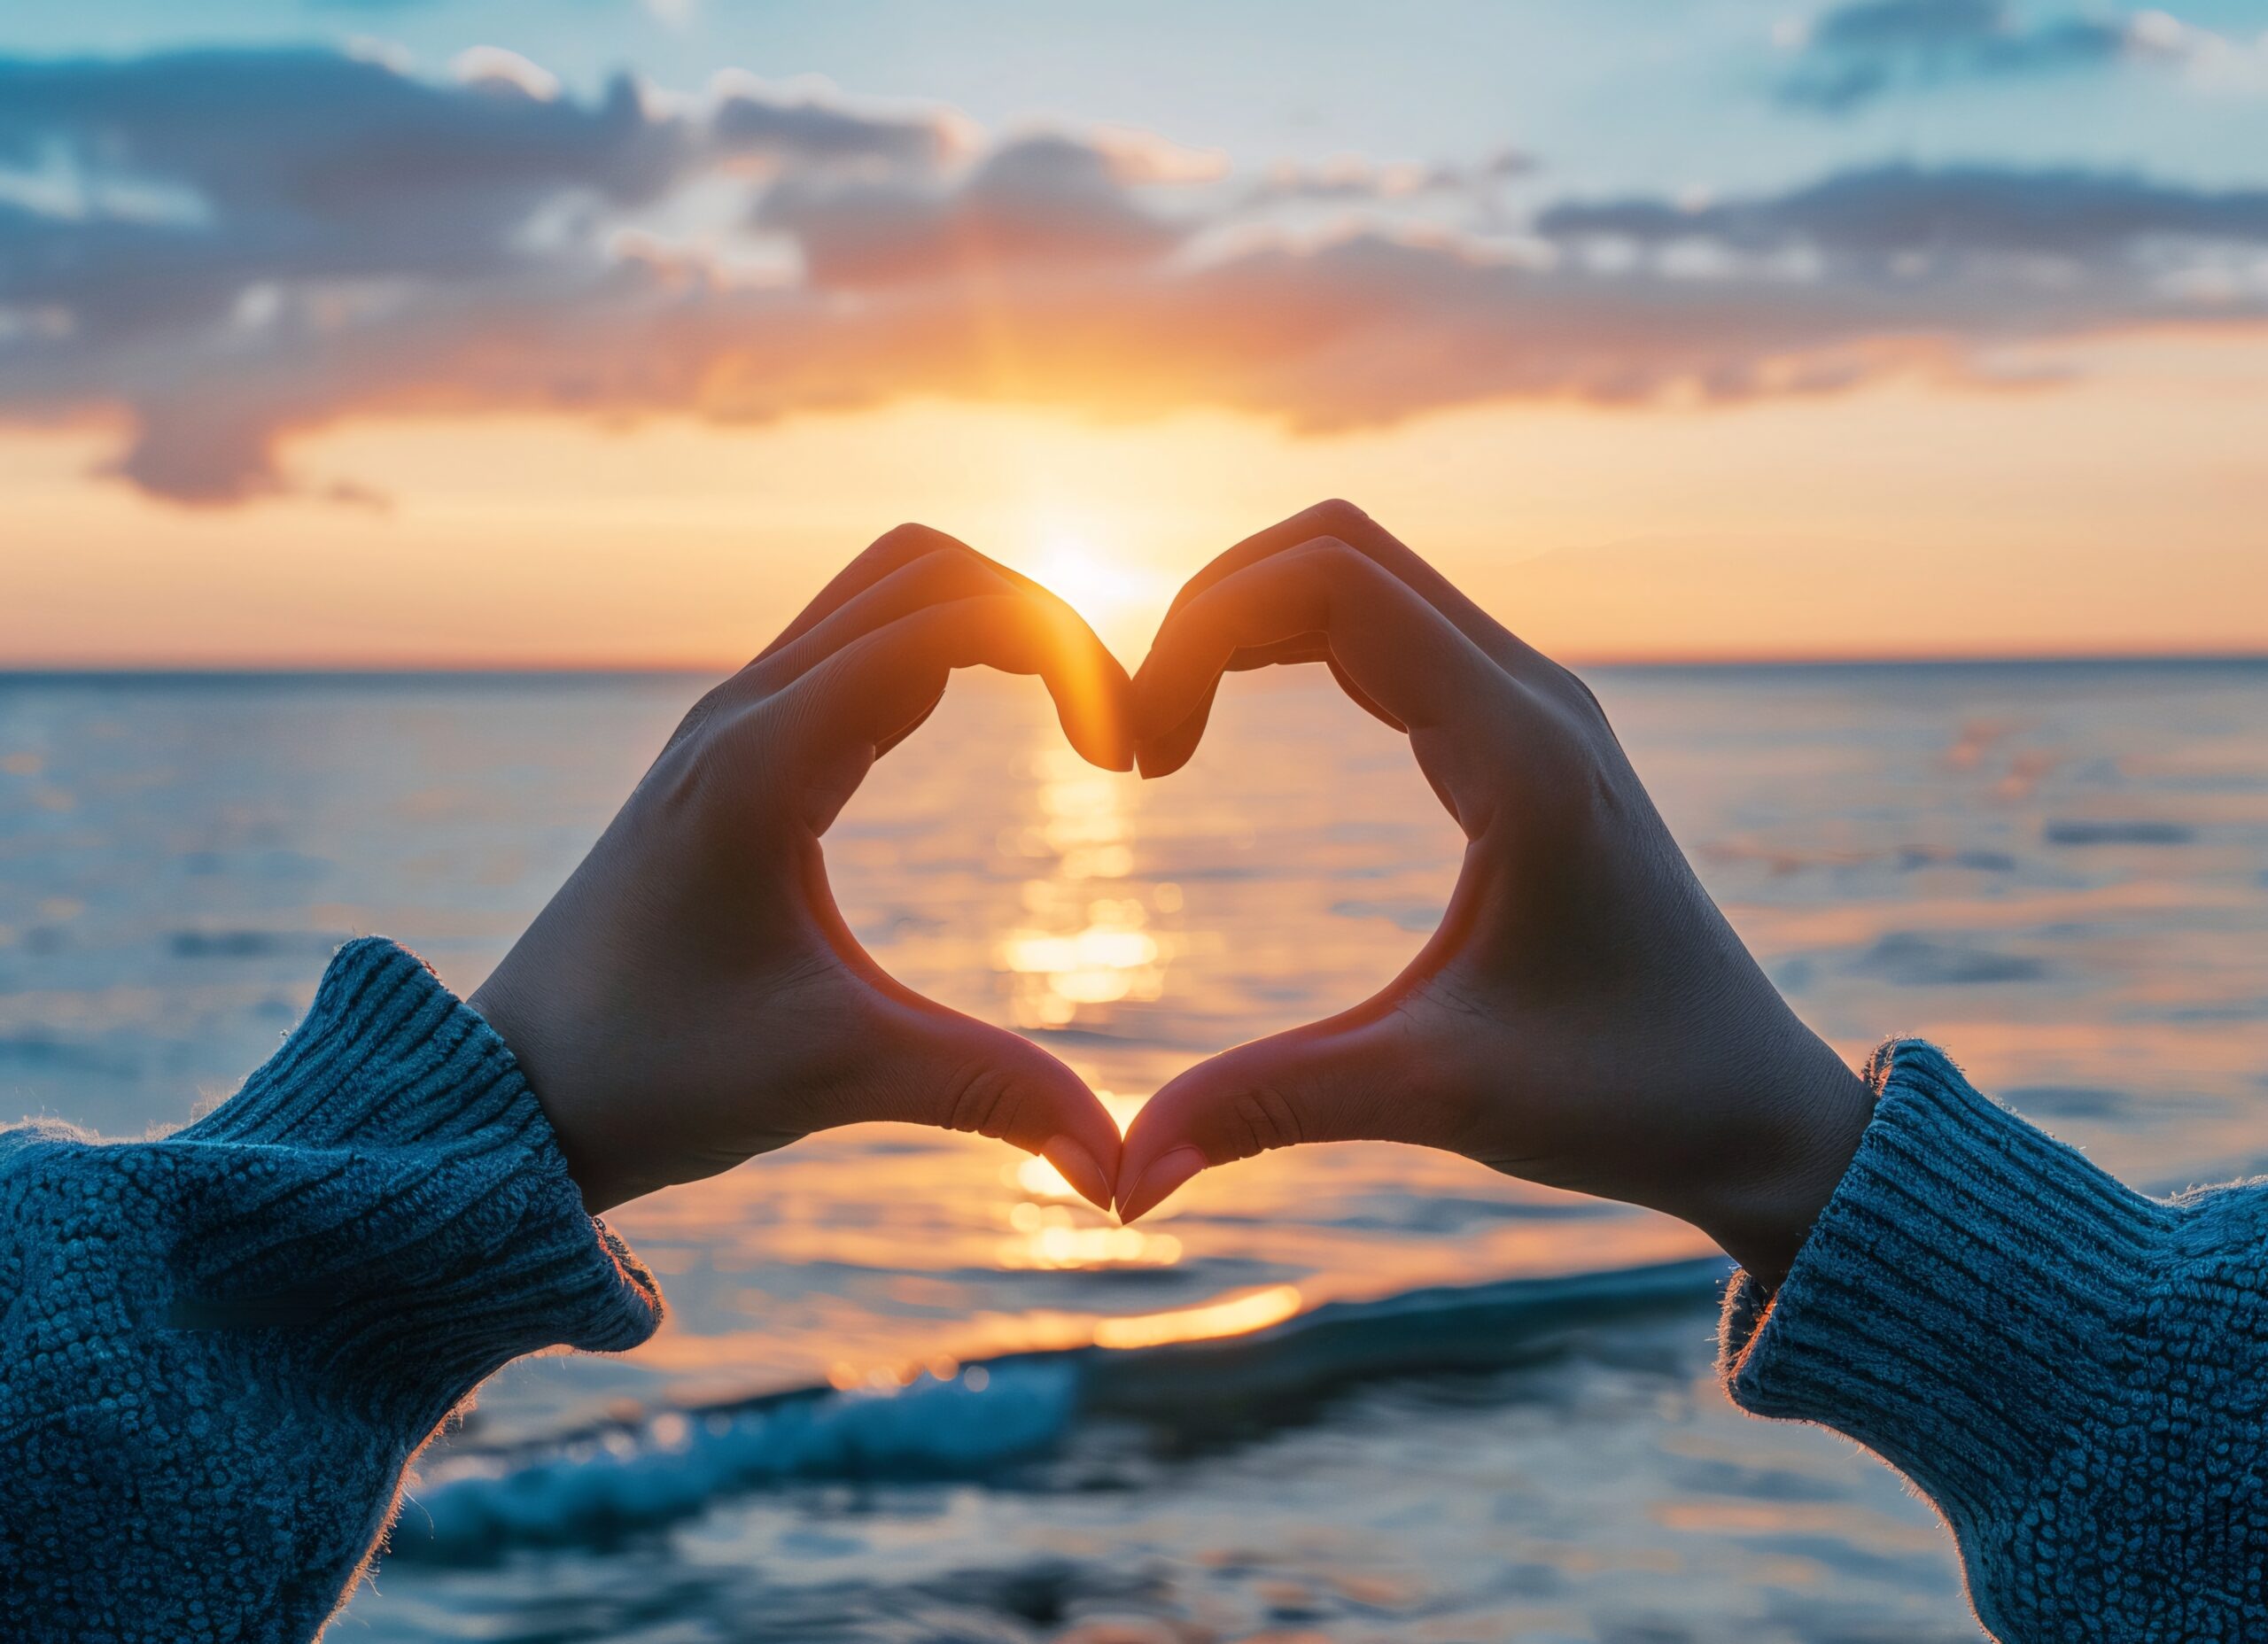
{"x":692,"y":997}
{"x":1585,"y":1017}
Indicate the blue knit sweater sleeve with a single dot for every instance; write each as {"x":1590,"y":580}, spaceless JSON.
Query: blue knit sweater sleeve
{"x":220,"y":1349}
{"x":2075,"y":1374}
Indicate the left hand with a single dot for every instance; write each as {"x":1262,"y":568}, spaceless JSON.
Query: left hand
{"x":692,"y":997}
{"x":1584,"y":1017}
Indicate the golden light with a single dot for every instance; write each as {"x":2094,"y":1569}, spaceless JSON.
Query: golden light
{"x":1237,"y":1316}
{"x":1036,"y":1176}
{"x":1119,"y":598}
{"x":1122,"y":1108}
{"x":1096,"y":965}
{"x":1058,"y":1236}
{"x":1080,"y":950}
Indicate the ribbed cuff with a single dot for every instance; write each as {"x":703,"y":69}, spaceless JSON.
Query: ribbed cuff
{"x":395,"y":1197}
{"x":1967,"y":1300}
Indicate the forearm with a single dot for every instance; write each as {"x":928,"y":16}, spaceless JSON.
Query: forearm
{"x":2075,"y":1374}
{"x":224,"y":1347}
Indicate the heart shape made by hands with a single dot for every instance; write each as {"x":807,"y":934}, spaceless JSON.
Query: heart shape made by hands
{"x":1583,"y":1016}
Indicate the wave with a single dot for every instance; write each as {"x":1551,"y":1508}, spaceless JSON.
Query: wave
{"x":606,"y":1484}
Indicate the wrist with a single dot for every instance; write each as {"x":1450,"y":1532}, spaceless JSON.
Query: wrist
{"x":1812,"y":1112}
{"x":586,"y":1156}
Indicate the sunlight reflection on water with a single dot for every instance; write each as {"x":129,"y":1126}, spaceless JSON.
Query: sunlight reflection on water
{"x":1080,"y":947}
{"x":2061,"y":873}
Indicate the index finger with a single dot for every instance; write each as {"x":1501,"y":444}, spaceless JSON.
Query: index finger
{"x":894,"y":550}
{"x":1342,"y":521}
{"x":874,"y":688}
{"x":1350,"y":524}
{"x":1396,"y":647}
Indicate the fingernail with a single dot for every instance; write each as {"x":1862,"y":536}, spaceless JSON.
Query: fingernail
{"x":1160,"y":1182}
{"x":1079,"y":1168}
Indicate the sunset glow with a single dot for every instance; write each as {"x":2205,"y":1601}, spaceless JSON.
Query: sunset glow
{"x":1119,"y":594}
{"x":985,"y":798}
{"x":1083,"y":943}
{"x":1237,"y":1316}
{"x":1905,"y":354}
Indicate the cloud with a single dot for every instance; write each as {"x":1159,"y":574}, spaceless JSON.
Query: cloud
{"x":160,"y":189}
{"x":1351,"y":178}
{"x":1033,"y":204}
{"x":216,"y":252}
{"x":1855,"y":53}
{"x":1950,"y":217}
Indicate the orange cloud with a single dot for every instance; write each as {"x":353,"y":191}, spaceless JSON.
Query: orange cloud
{"x":218,"y":251}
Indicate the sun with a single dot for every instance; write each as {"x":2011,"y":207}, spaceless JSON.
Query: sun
{"x":1117,"y":597}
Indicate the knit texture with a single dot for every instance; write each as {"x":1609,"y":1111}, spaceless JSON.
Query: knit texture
{"x":2076,"y":1376}
{"x":220,"y":1349}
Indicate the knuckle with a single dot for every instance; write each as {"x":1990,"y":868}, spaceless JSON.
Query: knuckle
{"x":723,"y":712}
{"x":699,"y":716}
{"x":930,"y":572}
{"x":1575,"y":725}
{"x":685,"y":786}
{"x":959,"y":573}
{"x":1337,"y":513}
{"x":901,"y":544}
{"x":1578,"y":693}
{"x":1338,"y":560}
{"x":908,"y":537}
{"x":984,"y":1100}
{"x":1260,"y":1118}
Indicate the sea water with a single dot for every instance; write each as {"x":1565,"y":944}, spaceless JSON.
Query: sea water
{"x":911,"y":1390}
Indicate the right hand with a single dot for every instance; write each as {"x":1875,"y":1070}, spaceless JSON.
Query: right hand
{"x":1584,"y":1017}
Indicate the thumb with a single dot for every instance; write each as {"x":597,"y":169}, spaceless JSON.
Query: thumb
{"x":935,"y":1066}
{"x":1347,"y":1080}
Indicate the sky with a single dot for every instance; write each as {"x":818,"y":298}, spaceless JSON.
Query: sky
{"x":454,"y":333}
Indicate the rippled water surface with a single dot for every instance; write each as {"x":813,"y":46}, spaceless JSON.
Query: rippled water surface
{"x":1347,"y":1393}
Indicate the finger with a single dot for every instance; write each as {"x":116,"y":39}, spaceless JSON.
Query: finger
{"x":1163,"y":755}
{"x":1362,"y":698}
{"x":893,"y":549}
{"x":1166,"y":753}
{"x":896,"y":737}
{"x":942,"y":574}
{"x":1350,"y":524}
{"x":935,"y":1066}
{"x":1307,"y":648}
{"x":873,"y":689}
{"x":1348,"y":1080}
{"x":1400,"y":652}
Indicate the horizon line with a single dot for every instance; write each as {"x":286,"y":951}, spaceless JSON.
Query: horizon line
{"x":442,"y":667}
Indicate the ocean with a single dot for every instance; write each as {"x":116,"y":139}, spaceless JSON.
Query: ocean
{"x":910,"y":1389}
